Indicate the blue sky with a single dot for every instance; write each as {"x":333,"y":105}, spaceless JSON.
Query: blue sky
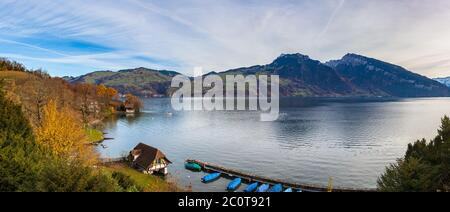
{"x":80,"y":36}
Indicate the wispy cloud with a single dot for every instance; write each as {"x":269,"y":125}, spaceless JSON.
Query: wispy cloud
{"x":32,"y":47}
{"x":332,"y":17}
{"x":88,"y":35}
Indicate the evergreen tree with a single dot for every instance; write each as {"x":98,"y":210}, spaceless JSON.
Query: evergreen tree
{"x":426,"y":166}
{"x":17,"y":148}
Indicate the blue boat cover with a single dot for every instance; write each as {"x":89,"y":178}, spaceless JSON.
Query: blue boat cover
{"x":252,"y":187}
{"x":210,"y":177}
{"x":288,"y":190}
{"x":276,"y":188}
{"x":234,"y":184}
{"x":263,"y":188}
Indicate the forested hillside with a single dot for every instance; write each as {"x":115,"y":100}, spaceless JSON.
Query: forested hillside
{"x":34,"y":89}
{"x":46,"y":128}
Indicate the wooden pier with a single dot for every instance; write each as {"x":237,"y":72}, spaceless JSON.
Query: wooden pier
{"x":109,"y":161}
{"x":248,"y":178}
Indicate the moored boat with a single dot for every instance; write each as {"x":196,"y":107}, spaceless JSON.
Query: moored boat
{"x":211,"y":177}
{"x":252,"y":187}
{"x":289,"y":190}
{"x":276,"y":188}
{"x":234,"y":184}
{"x":193,"y":167}
{"x":263,"y":188}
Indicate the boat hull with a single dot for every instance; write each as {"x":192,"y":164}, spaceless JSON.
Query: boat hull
{"x":263,"y":188}
{"x":289,"y":190}
{"x":210,"y":177}
{"x":234,"y":184}
{"x":276,"y":188}
{"x":193,"y":167}
{"x":251,"y":187}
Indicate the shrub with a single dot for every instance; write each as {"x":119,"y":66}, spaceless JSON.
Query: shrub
{"x":125,"y":182}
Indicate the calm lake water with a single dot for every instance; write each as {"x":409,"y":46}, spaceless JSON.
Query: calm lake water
{"x":351,"y":140}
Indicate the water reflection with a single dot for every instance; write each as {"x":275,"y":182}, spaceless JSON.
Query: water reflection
{"x":350,"y":140}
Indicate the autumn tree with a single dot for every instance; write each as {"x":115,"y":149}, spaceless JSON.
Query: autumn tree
{"x":62,"y":92}
{"x":10,"y":93}
{"x":134,"y":102}
{"x":34,"y":94}
{"x":107,"y":95}
{"x":102,"y":91}
{"x":7,"y":65}
{"x":87,"y":105}
{"x":63,"y":134}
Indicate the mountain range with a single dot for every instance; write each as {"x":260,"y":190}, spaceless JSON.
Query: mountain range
{"x":444,"y":80}
{"x":353,"y":75}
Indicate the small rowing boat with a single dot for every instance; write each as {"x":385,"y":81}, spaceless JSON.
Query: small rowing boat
{"x":289,"y":190}
{"x":263,"y":188}
{"x":193,"y":167}
{"x":276,"y":188}
{"x":234,"y":184}
{"x":251,"y":188}
{"x":211,"y":177}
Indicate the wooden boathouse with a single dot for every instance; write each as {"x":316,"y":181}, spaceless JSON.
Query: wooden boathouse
{"x":149,"y":160}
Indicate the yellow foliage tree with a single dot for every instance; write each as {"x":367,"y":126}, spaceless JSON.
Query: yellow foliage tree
{"x":112,"y":93}
{"x":107,"y":96}
{"x":106,"y":92}
{"x":102,"y":90}
{"x":63,"y":134}
{"x":10,"y":91}
{"x":134,"y":101}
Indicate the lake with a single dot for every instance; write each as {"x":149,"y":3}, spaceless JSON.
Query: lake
{"x":350,"y":140}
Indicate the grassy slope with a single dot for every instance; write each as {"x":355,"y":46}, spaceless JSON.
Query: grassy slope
{"x":14,"y":75}
{"x":91,"y":78}
{"x":136,"y":78}
{"x":94,"y":135}
{"x":148,"y":182}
